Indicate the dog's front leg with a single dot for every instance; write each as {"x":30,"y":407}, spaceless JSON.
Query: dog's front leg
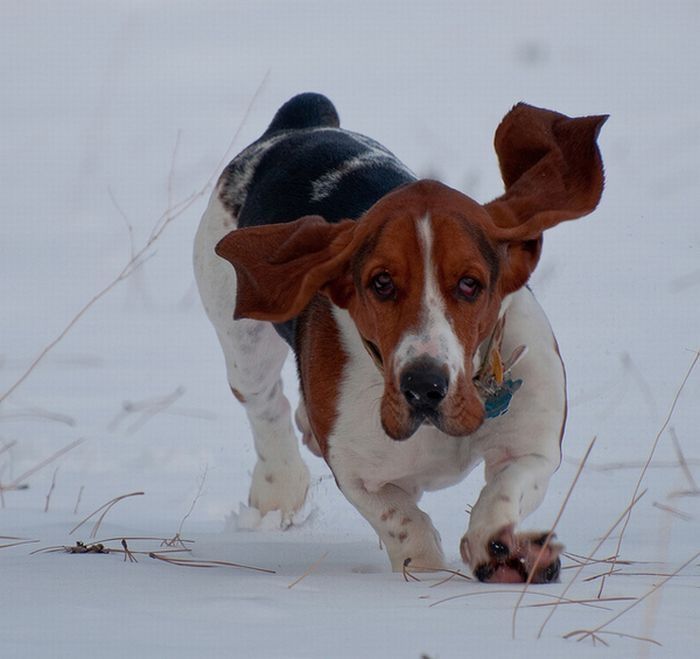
{"x":496,"y":552}
{"x":403,"y":529}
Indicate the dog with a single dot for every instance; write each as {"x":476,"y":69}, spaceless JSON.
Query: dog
{"x":421,"y":351}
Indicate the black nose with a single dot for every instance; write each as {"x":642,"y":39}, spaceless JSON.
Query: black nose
{"x":424,"y":385}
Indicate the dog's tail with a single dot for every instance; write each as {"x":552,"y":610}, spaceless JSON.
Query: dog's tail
{"x":307,"y":110}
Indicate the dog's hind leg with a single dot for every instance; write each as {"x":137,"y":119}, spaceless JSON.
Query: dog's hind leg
{"x":254,"y":354}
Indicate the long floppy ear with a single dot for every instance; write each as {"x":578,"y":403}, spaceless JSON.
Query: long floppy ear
{"x":552,"y":170}
{"x":280,"y":267}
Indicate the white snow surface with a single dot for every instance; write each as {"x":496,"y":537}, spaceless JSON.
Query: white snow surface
{"x":112,"y":112}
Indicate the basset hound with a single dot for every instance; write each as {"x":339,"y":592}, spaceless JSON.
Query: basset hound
{"x":420,"y":350}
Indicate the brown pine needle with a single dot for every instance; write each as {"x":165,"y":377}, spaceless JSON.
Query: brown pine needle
{"x":309,"y":570}
{"x":654,"y":444}
{"x":590,"y":556}
{"x":106,"y":508}
{"x":18,"y":541}
{"x":185,"y":562}
{"x":594,"y":633}
{"x":509,"y":591}
{"x":128,"y":554}
{"x":592,"y":602}
{"x":545,"y":544}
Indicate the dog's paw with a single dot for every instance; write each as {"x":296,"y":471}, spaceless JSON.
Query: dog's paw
{"x":280,"y":488}
{"x":512,"y":557}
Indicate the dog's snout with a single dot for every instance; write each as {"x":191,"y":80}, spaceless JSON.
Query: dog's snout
{"x":424,"y":385}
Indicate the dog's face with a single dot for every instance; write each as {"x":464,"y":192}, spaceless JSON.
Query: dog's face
{"x":424,"y":290}
{"x":424,"y":272}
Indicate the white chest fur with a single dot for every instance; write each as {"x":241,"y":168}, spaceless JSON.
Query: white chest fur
{"x":361,"y":453}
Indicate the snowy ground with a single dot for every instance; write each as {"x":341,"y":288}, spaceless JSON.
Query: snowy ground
{"x":113,"y":112}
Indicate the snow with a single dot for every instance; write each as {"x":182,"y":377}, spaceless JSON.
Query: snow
{"x":114,"y":111}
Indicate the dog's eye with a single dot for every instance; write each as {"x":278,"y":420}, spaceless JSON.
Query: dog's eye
{"x":468,"y":288}
{"x":383,"y":286}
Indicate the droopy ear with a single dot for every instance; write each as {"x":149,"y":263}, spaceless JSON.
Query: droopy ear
{"x":552,"y":171}
{"x":280,"y":267}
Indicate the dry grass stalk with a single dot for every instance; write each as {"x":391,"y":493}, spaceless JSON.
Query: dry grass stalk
{"x":177,"y":538}
{"x":16,"y":484}
{"x":51,"y":489}
{"x":550,"y":535}
{"x":16,"y":541}
{"x":673,"y":511}
{"x":594,"y":634}
{"x":309,"y":570}
{"x":142,"y":254}
{"x":77,"y":501}
{"x":156,"y":408}
{"x":104,"y":509}
{"x":409,"y":576}
{"x":146,"y":408}
{"x":643,"y":472}
{"x":185,"y":562}
{"x":593,"y":602}
{"x":8,"y":446}
{"x":633,"y":464}
{"x":511,"y":591}
{"x":36,"y":412}
{"x":588,"y":559}
{"x":693,"y":490}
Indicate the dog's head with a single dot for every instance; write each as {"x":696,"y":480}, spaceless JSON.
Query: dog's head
{"x":424,"y":271}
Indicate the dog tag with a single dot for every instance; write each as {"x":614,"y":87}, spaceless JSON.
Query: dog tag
{"x":496,"y":402}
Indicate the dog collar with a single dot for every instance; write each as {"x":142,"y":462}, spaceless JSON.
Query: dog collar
{"x":493,"y":379}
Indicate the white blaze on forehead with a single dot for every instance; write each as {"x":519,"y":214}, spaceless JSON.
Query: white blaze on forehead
{"x":435,"y":336}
